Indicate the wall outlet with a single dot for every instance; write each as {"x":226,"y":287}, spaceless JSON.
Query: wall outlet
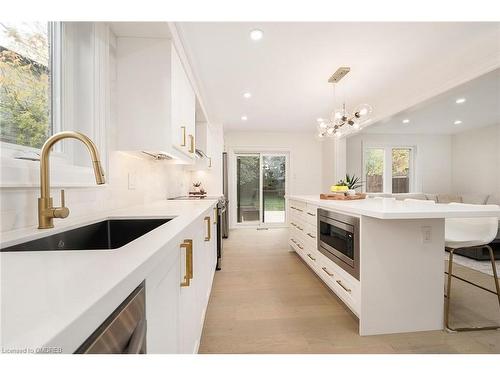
{"x":426,"y":234}
{"x":132,"y":180}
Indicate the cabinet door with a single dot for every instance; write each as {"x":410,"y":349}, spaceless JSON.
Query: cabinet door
{"x":183,"y":103}
{"x":194,"y":298}
{"x":162,"y":305}
{"x":179,"y":129}
{"x":188,"y":303}
{"x":189,"y":115}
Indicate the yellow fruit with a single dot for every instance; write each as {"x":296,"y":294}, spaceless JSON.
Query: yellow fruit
{"x":336,"y":188}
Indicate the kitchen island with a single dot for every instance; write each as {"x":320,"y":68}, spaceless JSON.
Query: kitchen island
{"x":397,"y":284}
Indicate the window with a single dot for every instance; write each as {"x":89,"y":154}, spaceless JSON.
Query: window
{"x":374,"y":170}
{"x":388,"y":169}
{"x":53,"y":77}
{"x":401,"y":170}
{"x":27,"y":51}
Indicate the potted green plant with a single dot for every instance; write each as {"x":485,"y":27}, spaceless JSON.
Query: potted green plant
{"x":353,"y":182}
{"x":348,"y":185}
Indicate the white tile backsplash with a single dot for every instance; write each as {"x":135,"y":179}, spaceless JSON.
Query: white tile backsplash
{"x":155,"y":180}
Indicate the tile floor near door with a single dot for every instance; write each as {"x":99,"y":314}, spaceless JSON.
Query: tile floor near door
{"x":266,"y":300}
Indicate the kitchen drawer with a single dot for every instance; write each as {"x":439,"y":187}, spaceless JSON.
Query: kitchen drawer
{"x":311,"y":258}
{"x":297,"y":206}
{"x":312,"y":214}
{"x":310,"y":234}
{"x":297,"y":219}
{"x":298,"y":226}
{"x":298,"y":245}
{"x":341,"y":283}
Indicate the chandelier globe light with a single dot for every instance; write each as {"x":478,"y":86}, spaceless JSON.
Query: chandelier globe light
{"x":341,"y":119}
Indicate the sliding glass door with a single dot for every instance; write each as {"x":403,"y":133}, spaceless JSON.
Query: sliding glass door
{"x":273,"y":188}
{"x":248,"y":188}
{"x":261,"y":188}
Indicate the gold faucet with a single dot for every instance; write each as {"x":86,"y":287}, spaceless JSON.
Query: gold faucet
{"x":46,"y":211}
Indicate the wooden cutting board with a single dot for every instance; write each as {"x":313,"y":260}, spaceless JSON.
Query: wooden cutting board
{"x":342,"y":197}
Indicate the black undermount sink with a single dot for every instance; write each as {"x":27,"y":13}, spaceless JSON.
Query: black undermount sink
{"x":104,"y":235}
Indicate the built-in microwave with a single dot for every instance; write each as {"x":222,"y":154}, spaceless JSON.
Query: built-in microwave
{"x":338,"y":239}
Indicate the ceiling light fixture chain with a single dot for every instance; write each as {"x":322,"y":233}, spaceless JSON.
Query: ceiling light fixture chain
{"x":340,"y":117}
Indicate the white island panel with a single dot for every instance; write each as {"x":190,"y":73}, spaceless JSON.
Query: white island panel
{"x":402,"y":277}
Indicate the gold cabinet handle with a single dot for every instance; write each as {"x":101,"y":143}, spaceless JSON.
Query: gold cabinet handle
{"x":207,"y":219}
{"x":326,"y":271}
{"x":343,"y":286}
{"x":291,"y":239}
{"x":191,"y":143}
{"x":300,"y":247}
{"x":293,"y":208}
{"x":310,"y":235}
{"x":293,"y":224}
{"x":310,"y":256}
{"x":209,"y":162}
{"x":299,"y":228}
{"x":183,"y":144}
{"x":215,"y":215}
{"x":298,"y":209}
{"x":188,"y":245}
{"x":310,"y":214}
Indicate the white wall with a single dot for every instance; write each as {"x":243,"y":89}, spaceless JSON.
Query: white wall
{"x":305,"y":159}
{"x":433,"y":159}
{"x":328,"y":163}
{"x":476,"y":161}
{"x":154,"y":180}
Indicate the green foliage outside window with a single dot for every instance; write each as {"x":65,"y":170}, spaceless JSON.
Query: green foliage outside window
{"x":24,"y":85}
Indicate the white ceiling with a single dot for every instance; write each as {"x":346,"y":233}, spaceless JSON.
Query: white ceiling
{"x":437,"y":115}
{"x":393,"y":66}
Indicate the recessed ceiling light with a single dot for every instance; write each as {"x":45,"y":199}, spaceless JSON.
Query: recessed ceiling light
{"x":457,"y":122}
{"x":460,"y":100}
{"x":406,"y":121}
{"x":247,"y":95}
{"x":244,"y":118}
{"x":256,"y":34}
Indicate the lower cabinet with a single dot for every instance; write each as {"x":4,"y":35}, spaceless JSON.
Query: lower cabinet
{"x":179,"y":288}
{"x":303,"y":239}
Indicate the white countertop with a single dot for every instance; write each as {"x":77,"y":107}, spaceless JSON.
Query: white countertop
{"x":57,"y":298}
{"x":388,"y":208}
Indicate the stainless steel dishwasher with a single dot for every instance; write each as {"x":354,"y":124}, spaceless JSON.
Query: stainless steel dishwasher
{"x":124,"y":331}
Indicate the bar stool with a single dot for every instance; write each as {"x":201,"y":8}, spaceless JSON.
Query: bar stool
{"x":467,"y":234}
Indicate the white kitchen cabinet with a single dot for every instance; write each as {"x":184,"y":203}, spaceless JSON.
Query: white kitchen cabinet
{"x":204,"y":143}
{"x":155,"y":99}
{"x":303,"y":239}
{"x":162,"y":305}
{"x":176,"y":312}
{"x":183,"y":109}
{"x":194,"y":298}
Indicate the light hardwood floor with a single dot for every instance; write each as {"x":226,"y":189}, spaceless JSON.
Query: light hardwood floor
{"x":266,"y":300}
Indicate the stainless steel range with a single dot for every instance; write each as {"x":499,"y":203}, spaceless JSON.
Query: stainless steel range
{"x":221,"y":216}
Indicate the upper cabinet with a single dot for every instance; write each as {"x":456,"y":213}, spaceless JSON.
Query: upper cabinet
{"x":155,"y":100}
{"x":183,"y":109}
